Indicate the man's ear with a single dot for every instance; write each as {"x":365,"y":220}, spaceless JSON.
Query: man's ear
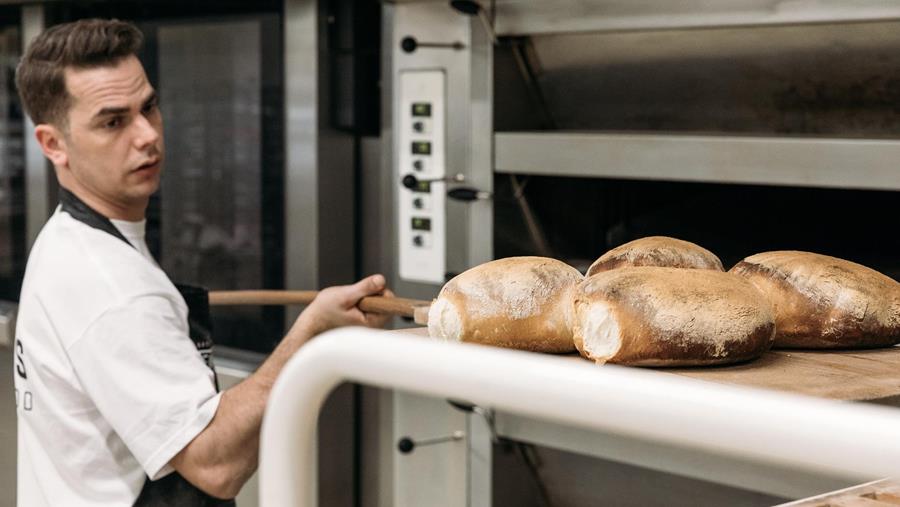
{"x":53,"y":144}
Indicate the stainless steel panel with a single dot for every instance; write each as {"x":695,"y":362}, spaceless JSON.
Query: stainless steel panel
{"x":434,"y":475}
{"x":842,"y":163}
{"x":469,"y":102}
{"x":301,"y":219}
{"x":387,"y":207}
{"x":377,"y":214}
{"x":8,"y":443}
{"x":319,"y":163}
{"x":529,"y":17}
{"x":379,"y":413}
{"x":720,"y":469}
{"x":377,"y":448}
{"x":37,"y":169}
{"x":479,"y":233}
{"x":828,"y":80}
{"x":319,"y":211}
{"x":575,"y":479}
{"x":481,"y":461}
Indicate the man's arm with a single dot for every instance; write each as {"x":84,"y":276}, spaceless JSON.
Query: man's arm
{"x":225,"y":454}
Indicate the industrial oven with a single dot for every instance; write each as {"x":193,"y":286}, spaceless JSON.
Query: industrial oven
{"x":564,"y":128}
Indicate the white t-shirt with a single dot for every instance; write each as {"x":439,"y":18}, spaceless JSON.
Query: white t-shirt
{"x":109,"y":385}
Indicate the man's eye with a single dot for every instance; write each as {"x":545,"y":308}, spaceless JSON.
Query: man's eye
{"x":113,"y":123}
{"x":150,"y":107}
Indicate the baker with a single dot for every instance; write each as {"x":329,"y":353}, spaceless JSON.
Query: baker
{"x":116,"y":405}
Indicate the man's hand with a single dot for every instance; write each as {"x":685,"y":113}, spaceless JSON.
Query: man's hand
{"x":336,"y":307}
{"x":225,"y":454}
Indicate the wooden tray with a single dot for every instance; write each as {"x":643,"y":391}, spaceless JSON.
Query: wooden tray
{"x":856,"y":375}
{"x":842,"y":375}
{"x":884,"y":493}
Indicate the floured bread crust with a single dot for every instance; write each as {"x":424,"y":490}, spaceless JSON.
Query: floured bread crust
{"x":660,"y":251}
{"x":824,"y":302}
{"x":518,"y":303}
{"x":653,"y":316}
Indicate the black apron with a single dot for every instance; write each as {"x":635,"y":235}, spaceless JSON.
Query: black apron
{"x":173,"y":489}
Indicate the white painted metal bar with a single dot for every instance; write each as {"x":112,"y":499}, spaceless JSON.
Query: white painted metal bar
{"x":815,"y":162}
{"x":835,"y":438}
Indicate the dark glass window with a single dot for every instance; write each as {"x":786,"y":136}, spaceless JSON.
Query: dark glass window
{"x":12,"y":160}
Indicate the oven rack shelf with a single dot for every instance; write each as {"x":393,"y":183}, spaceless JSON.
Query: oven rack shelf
{"x":805,"y":162}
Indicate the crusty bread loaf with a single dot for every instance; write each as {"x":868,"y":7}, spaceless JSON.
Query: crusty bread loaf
{"x":825,"y":302}
{"x":660,"y":251}
{"x":651,"y":316}
{"x":518,"y":302}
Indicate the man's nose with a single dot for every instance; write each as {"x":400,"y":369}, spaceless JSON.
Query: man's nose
{"x":146,"y":132}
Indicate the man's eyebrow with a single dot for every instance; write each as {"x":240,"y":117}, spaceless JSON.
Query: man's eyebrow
{"x":108,"y":111}
{"x":114,"y":110}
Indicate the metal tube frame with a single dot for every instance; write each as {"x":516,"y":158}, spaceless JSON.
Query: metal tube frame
{"x":753,"y":425}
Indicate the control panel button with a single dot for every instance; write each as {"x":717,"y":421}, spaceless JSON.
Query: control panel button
{"x":421,"y":239}
{"x":419,"y":164}
{"x":422,"y":202}
{"x":421,"y":126}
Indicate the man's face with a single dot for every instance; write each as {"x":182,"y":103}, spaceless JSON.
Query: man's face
{"x":114,"y":139}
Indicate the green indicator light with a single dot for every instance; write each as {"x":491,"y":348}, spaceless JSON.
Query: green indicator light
{"x":421,"y":224}
{"x":421,"y":148}
{"x":422,"y":109}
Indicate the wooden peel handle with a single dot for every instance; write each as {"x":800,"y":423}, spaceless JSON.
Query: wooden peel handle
{"x":373,"y":304}
{"x":262,"y":297}
{"x":392,"y":306}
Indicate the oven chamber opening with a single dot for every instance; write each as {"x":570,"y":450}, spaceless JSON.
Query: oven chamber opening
{"x":823,"y":81}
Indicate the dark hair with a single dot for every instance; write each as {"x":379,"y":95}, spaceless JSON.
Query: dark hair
{"x":40,"y":76}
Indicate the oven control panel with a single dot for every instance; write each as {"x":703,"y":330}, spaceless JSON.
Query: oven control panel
{"x":422,"y":136}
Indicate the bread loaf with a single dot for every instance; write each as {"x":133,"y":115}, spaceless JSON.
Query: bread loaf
{"x":825,"y":302}
{"x":658,"y":251}
{"x":651,"y":316}
{"x":518,"y":302}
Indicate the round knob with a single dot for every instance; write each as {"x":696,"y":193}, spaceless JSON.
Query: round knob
{"x":417,"y":240}
{"x":406,"y":445}
{"x":418,"y":126}
{"x":409,"y":44}
{"x":409,"y":181}
{"x":417,"y":165}
{"x":418,"y":203}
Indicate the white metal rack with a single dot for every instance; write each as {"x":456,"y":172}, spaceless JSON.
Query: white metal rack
{"x":839,"y":440}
